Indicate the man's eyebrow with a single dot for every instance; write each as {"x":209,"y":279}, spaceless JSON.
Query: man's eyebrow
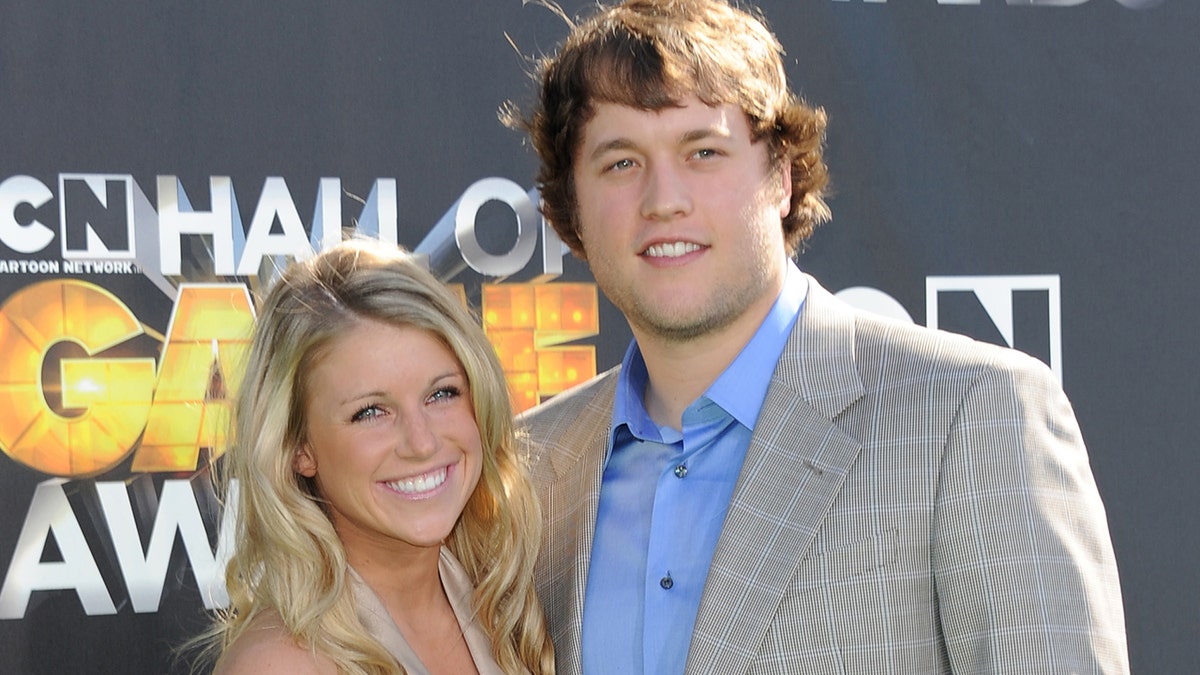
{"x":720,"y":132}
{"x":608,"y":146}
{"x":622,"y":143}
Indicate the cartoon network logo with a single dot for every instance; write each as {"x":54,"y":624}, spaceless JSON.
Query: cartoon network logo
{"x":1022,"y":311}
{"x":109,"y":218}
{"x":165,"y":410}
{"x":1131,"y":4}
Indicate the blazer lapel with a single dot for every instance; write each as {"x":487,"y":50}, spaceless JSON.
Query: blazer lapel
{"x":575,"y":453}
{"x":794,"y":468}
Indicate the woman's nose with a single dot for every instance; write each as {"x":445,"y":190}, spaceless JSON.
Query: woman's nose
{"x":417,"y":437}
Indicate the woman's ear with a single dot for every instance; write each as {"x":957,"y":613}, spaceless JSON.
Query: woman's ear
{"x":304,"y":463}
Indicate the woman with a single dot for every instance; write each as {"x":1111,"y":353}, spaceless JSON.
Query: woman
{"x":385,"y":521}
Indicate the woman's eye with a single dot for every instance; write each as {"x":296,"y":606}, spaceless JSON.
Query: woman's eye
{"x":620,"y":165}
{"x":444,"y":394}
{"x":366,"y":413}
{"x":706,"y":153}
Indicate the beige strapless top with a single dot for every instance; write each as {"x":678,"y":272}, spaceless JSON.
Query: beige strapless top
{"x":458,"y":589}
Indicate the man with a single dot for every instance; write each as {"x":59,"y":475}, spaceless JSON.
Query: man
{"x":772,"y":481}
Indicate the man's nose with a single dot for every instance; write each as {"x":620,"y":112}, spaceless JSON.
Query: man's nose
{"x":666,"y":193}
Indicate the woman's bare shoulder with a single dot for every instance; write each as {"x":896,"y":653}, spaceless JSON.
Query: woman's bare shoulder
{"x":266,"y":648}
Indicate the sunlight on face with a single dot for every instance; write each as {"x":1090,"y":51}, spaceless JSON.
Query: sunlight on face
{"x":681,"y":216}
{"x":392,"y":441}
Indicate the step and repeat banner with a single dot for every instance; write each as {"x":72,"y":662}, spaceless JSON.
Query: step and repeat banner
{"x":1024,"y":172}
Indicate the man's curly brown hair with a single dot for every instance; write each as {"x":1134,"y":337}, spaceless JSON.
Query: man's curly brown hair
{"x":650,"y":54}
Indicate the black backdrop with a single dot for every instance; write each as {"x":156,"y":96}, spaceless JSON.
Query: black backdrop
{"x":1037,"y":151}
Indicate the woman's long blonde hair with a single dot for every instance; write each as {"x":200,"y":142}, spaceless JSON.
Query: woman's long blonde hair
{"x":288,"y":558}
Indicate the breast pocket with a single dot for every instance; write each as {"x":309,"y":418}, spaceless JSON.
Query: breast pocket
{"x":846,"y":560}
{"x":864,"y":602}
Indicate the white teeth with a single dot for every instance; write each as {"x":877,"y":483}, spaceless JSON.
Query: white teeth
{"x":672,"y":250}
{"x":419,"y":484}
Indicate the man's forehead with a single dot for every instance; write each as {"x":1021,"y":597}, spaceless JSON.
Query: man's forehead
{"x":689,"y":120}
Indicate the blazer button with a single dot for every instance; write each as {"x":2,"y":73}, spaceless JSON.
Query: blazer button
{"x":666,"y":582}
{"x":681,"y":471}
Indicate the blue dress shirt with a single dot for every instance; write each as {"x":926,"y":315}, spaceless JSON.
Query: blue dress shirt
{"x":663,"y":502}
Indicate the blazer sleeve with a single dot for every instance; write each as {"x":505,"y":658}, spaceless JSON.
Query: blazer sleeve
{"x":1024,"y":570}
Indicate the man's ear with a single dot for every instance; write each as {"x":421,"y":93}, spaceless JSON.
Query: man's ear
{"x":304,"y":463}
{"x":785,"y":179}
{"x":577,"y":250}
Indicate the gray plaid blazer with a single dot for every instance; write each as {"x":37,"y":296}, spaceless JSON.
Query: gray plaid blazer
{"x":911,"y":502}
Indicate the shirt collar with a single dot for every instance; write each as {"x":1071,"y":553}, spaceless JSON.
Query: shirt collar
{"x":741,"y":389}
{"x":629,"y":409}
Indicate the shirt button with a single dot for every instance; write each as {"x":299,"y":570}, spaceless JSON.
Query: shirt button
{"x":681,"y":471}
{"x":666,"y":582}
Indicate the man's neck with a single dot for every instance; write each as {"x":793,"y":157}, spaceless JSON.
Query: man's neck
{"x":680,"y":371}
